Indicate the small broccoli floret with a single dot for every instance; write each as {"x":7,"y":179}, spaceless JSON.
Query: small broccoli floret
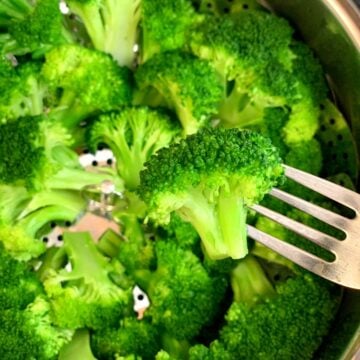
{"x":290,"y":324}
{"x":216,"y":351}
{"x":210,"y":179}
{"x":85,"y":296}
{"x":306,"y":156}
{"x":31,"y":26}
{"x":78,"y":347}
{"x":134,"y":134}
{"x":182,"y":233}
{"x":133,"y":248}
{"x":164,"y":26}
{"x":86,"y":82}
{"x":179,"y":291}
{"x":22,"y":92}
{"x":111,"y":25}
{"x":133,"y":337}
{"x":186,"y":84}
{"x":19,"y":286}
{"x":30,"y":334}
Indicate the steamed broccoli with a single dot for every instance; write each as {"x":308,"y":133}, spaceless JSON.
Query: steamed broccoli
{"x":133,"y":135}
{"x":210,"y":179}
{"x":132,"y":337}
{"x":78,"y":347}
{"x":165,"y":25}
{"x":183,"y":83}
{"x":31,"y":26}
{"x":22,"y":92}
{"x":111,"y":25}
{"x":84,"y":82}
{"x":86,"y":296}
{"x":261,"y":67}
{"x":27,"y":331}
{"x":179,"y":291}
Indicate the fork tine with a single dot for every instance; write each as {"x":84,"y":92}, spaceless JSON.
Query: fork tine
{"x":298,"y":256}
{"x":322,"y":214}
{"x":328,"y":242}
{"x":327,"y":188}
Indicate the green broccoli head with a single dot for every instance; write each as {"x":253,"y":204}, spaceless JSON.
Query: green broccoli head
{"x":186,"y":84}
{"x":133,"y":134}
{"x":31,"y":26}
{"x":29,"y":145}
{"x":179,"y":291}
{"x":30,"y":334}
{"x":164,"y":26}
{"x":292,"y":323}
{"x":132,"y":337}
{"x":210,"y":179}
{"x":86,"y":82}
{"x":20,"y":285}
{"x":22,"y":93}
{"x":86,"y":296}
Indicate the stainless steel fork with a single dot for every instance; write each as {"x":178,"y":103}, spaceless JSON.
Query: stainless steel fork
{"x":345,"y":269}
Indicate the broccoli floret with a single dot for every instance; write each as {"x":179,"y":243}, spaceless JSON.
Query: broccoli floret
{"x":36,"y":154}
{"x":179,"y":291}
{"x":133,"y":135}
{"x":31,"y":26}
{"x":216,"y":351}
{"x":86,"y":296}
{"x":185,"y":84}
{"x":85,"y":82}
{"x":181,"y":232}
{"x":133,"y":248}
{"x":21,"y":91}
{"x":210,"y":179}
{"x":19,"y":286}
{"x":30,"y":334}
{"x":133,"y":337}
{"x":165,"y":25}
{"x":290,"y":324}
{"x":78,"y":347}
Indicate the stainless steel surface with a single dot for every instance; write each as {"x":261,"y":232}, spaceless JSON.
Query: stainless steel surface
{"x":345,"y":269}
{"x":331,"y":28}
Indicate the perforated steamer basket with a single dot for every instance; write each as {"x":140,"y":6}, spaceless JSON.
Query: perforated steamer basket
{"x":332,"y":29}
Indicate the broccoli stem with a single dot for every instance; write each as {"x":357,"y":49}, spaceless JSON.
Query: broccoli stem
{"x":221,"y":225}
{"x":54,"y":259}
{"x":249,"y":282}
{"x":177,"y":349}
{"x":15,"y":9}
{"x":78,"y":348}
{"x":37,"y":219}
{"x":77,"y":179}
{"x":85,"y":258}
{"x":237,"y":110}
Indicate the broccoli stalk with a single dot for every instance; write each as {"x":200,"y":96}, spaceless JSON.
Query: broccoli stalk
{"x":186,"y":84}
{"x":210,"y":179}
{"x":112,"y":26}
{"x":249,"y":282}
{"x":86,"y":296}
{"x":78,"y":347}
{"x":133,"y":134}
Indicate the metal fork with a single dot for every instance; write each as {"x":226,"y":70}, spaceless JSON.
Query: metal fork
{"x":345,"y":269}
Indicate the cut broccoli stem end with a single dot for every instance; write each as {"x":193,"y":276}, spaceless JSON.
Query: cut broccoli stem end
{"x":250,"y":283}
{"x":221,"y":224}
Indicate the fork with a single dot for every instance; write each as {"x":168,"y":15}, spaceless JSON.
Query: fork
{"x":345,"y":269}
